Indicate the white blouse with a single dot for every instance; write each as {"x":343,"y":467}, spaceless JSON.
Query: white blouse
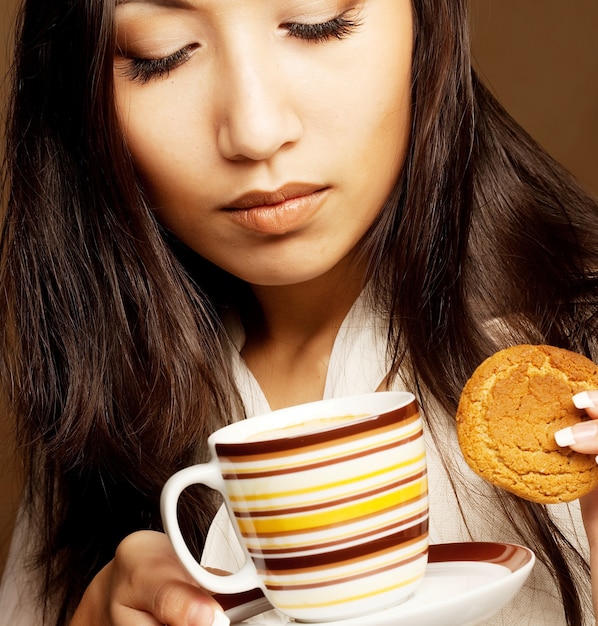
{"x":357,"y":365}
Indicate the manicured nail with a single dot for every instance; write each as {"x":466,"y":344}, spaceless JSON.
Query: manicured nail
{"x":220,"y":619}
{"x":578,"y":433}
{"x":586,"y":399}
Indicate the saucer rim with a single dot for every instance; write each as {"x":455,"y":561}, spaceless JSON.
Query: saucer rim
{"x":515,"y":558}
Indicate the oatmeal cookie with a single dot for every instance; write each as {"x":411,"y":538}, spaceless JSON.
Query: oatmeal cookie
{"x":508,"y":413}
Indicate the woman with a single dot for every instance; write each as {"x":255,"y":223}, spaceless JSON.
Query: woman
{"x":218,"y":207}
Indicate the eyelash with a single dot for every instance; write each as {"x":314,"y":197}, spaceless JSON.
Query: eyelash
{"x":337,"y":28}
{"x":143,"y":71}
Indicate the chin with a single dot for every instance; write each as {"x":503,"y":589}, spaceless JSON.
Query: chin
{"x":283,"y":279}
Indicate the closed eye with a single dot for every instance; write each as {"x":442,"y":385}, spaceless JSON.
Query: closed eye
{"x":143,"y":70}
{"x":337,"y":28}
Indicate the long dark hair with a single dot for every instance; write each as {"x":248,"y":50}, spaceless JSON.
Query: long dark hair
{"x":116,"y":357}
{"x":110,"y":336}
{"x":487,"y":242}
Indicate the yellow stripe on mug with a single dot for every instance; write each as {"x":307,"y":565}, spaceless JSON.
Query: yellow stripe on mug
{"x":332,"y":517}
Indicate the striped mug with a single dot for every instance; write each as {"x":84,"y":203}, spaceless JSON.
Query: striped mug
{"x":329,"y":501}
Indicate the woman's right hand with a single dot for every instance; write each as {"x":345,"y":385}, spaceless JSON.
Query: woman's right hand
{"x":145,"y":585}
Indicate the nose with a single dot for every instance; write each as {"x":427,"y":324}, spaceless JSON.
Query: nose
{"x":258,"y":114}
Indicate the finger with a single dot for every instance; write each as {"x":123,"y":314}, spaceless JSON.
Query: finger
{"x":581,"y":437}
{"x":125,"y":616}
{"x":174,"y":607}
{"x":161,"y":588}
{"x":587,"y":400}
{"x":177,"y":603}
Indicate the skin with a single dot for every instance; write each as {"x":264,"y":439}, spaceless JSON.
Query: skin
{"x":280,"y":110}
{"x":257,"y":107}
{"x":589,"y":509}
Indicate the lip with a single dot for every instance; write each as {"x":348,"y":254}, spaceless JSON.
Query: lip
{"x":279,"y":211}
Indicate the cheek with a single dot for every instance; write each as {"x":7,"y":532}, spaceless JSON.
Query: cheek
{"x":167,"y":170}
{"x":376,"y":102}
{"x":157,"y":131}
{"x":382,"y":123}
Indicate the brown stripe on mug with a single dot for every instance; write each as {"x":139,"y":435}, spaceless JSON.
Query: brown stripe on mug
{"x":346,"y":579}
{"x":359,"y":576}
{"x":376,"y":547}
{"x":309,"y":466}
{"x":404,"y":414}
{"x":331,"y":544}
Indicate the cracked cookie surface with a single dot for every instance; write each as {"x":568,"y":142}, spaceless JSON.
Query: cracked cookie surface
{"x":508,"y":413}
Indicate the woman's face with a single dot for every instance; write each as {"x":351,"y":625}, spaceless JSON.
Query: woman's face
{"x":268,"y":133}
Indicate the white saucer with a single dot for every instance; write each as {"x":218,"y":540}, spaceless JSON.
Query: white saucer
{"x":464,"y":584}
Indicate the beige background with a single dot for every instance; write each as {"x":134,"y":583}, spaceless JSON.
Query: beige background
{"x":541,"y":59}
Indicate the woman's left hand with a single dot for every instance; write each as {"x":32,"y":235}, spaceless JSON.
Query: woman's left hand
{"x":583,"y":437}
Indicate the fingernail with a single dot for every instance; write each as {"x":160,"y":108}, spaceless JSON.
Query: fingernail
{"x":220,"y":619}
{"x":578,"y":433}
{"x":586,"y":399}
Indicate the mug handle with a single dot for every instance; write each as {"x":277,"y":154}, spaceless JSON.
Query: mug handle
{"x":207,"y":474}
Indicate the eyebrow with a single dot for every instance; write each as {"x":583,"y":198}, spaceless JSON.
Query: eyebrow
{"x":177,"y":4}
